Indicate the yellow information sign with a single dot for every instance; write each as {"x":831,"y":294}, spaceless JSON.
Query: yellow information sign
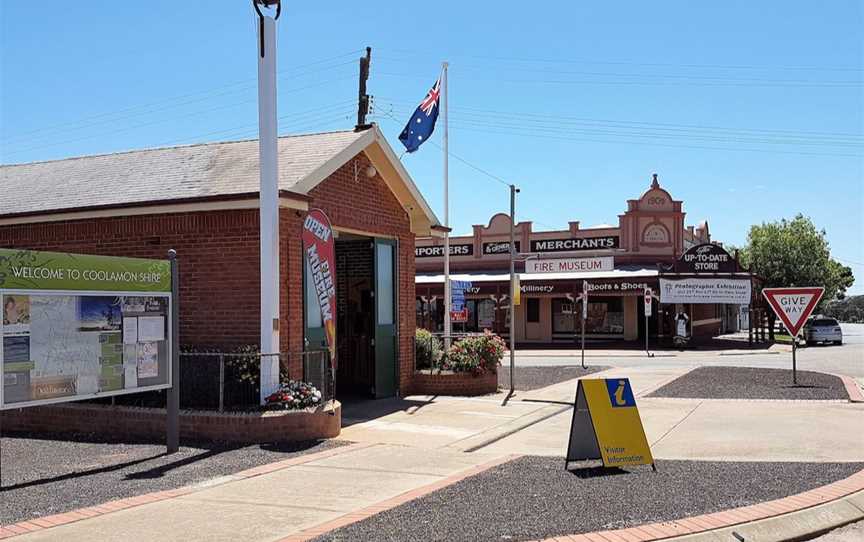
{"x":606,"y":425}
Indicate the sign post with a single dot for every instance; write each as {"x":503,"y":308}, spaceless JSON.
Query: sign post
{"x":584,"y":316}
{"x":172,"y":410}
{"x":647,"y":301}
{"x":793,"y":306}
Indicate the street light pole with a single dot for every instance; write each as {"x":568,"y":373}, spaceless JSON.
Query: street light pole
{"x":513,"y":286}
{"x":268,"y":157}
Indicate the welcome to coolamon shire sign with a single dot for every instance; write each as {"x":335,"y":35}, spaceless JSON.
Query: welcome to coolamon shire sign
{"x":78,"y":326}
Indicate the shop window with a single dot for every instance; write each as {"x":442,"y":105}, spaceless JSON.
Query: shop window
{"x":533,"y":310}
{"x":485,"y":314}
{"x":563,"y":317}
{"x":605,"y":316}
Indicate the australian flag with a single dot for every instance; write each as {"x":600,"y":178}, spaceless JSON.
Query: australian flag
{"x":422,"y":122}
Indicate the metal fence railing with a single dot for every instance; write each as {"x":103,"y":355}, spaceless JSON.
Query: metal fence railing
{"x":225,"y":381}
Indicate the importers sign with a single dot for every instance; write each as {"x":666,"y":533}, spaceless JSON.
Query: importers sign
{"x":563,"y":265}
{"x":705,"y":290}
{"x":575,"y":244}
{"x":437,"y":251}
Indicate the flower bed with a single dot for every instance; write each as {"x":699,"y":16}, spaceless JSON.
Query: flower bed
{"x":468,"y":367}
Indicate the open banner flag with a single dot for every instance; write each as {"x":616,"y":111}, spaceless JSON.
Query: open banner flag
{"x":320,"y":250}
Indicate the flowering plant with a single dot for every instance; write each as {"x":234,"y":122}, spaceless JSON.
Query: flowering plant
{"x":293,"y":395}
{"x":475,"y":354}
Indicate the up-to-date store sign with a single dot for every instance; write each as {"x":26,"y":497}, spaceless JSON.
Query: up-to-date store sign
{"x":563,"y":265}
{"x":793,"y":305}
{"x":437,"y":251}
{"x":707,"y":258}
{"x":575,"y":244}
{"x":77,"y":326}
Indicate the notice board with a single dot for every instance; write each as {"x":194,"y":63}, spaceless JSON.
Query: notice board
{"x":79,"y":326}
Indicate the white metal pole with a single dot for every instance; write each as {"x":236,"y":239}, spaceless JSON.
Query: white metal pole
{"x":447,"y":297}
{"x":269,"y":206}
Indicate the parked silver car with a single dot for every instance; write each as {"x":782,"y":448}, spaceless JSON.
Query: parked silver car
{"x":822,"y":329}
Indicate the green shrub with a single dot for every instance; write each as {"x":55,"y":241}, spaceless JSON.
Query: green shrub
{"x":427,"y":349}
{"x":475,"y":354}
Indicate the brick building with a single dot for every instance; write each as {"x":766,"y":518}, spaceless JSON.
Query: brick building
{"x":202,"y":200}
{"x":649,"y":247}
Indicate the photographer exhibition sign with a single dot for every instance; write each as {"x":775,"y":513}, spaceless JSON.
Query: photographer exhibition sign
{"x":79,"y":326}
{"x":705,"y":290}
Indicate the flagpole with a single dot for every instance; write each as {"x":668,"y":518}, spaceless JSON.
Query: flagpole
{"x":447,"y":296}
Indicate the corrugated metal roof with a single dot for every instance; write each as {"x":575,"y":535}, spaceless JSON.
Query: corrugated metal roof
{"x":164,"y":174}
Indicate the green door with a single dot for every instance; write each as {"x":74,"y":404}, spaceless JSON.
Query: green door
{"x":386,"y":317}
{"x":314,"y":338}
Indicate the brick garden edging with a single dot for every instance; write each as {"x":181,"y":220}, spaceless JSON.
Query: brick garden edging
{"x":725,"y":518}
{"x":852,"y":388}
{"x":459,"y":384}
{"x":38,"y":524}
{"x":195,"y":425}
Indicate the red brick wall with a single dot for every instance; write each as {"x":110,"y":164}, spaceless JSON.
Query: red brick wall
{"x":365,"y":205}
{"x":219,"y":258}
{"x":462,"y":384}
{"x":217,"y":253}
{"x":132,"y":423}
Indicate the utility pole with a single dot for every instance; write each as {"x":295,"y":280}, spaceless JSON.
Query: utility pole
{"x":448,"y":299}
{"x":363,"y":99}
{"x":268,"y":156}
{"x":513,"y":286}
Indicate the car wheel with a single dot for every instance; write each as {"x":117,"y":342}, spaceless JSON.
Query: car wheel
{"x":838,"y":343}
{"x":810,"y":343}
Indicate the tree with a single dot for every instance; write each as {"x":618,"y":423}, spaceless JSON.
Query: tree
{"x":794,"y":253}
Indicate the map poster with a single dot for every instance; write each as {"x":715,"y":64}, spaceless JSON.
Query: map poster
{"x":72,"y":346}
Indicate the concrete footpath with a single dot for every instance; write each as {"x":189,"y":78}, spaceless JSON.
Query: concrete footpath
{"x":404,"y":448}
{"x":270,"y":502}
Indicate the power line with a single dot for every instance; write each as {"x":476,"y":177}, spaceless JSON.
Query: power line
{"x":499,"y":58}
{"x":524,"y":128}
{"x":648,"y":81}
{"x":459,"y":158}
{"x":245,"y":84}
{"x":653,"y":75}
{"x":615,"y":122}
{"x":143,"y":125}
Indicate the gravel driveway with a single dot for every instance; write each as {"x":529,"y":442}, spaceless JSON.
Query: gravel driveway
{"x":753,"y":383}
{"x":534,"y":497}
{"x":40,"y":476}
{"x":532,"y":378}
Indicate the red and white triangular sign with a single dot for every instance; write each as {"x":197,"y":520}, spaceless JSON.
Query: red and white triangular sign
{"x":793,"y":305}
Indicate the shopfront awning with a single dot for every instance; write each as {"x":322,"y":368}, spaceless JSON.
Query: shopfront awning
{"x":623,"y":272}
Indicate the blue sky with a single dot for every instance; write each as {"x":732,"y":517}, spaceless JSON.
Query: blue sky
{"x":749,"y":111}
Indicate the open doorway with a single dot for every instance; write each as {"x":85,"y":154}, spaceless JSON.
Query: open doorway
{"x":366,"y":313}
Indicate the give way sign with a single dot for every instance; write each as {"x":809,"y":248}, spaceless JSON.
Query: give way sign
{"x":793,"y":305}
